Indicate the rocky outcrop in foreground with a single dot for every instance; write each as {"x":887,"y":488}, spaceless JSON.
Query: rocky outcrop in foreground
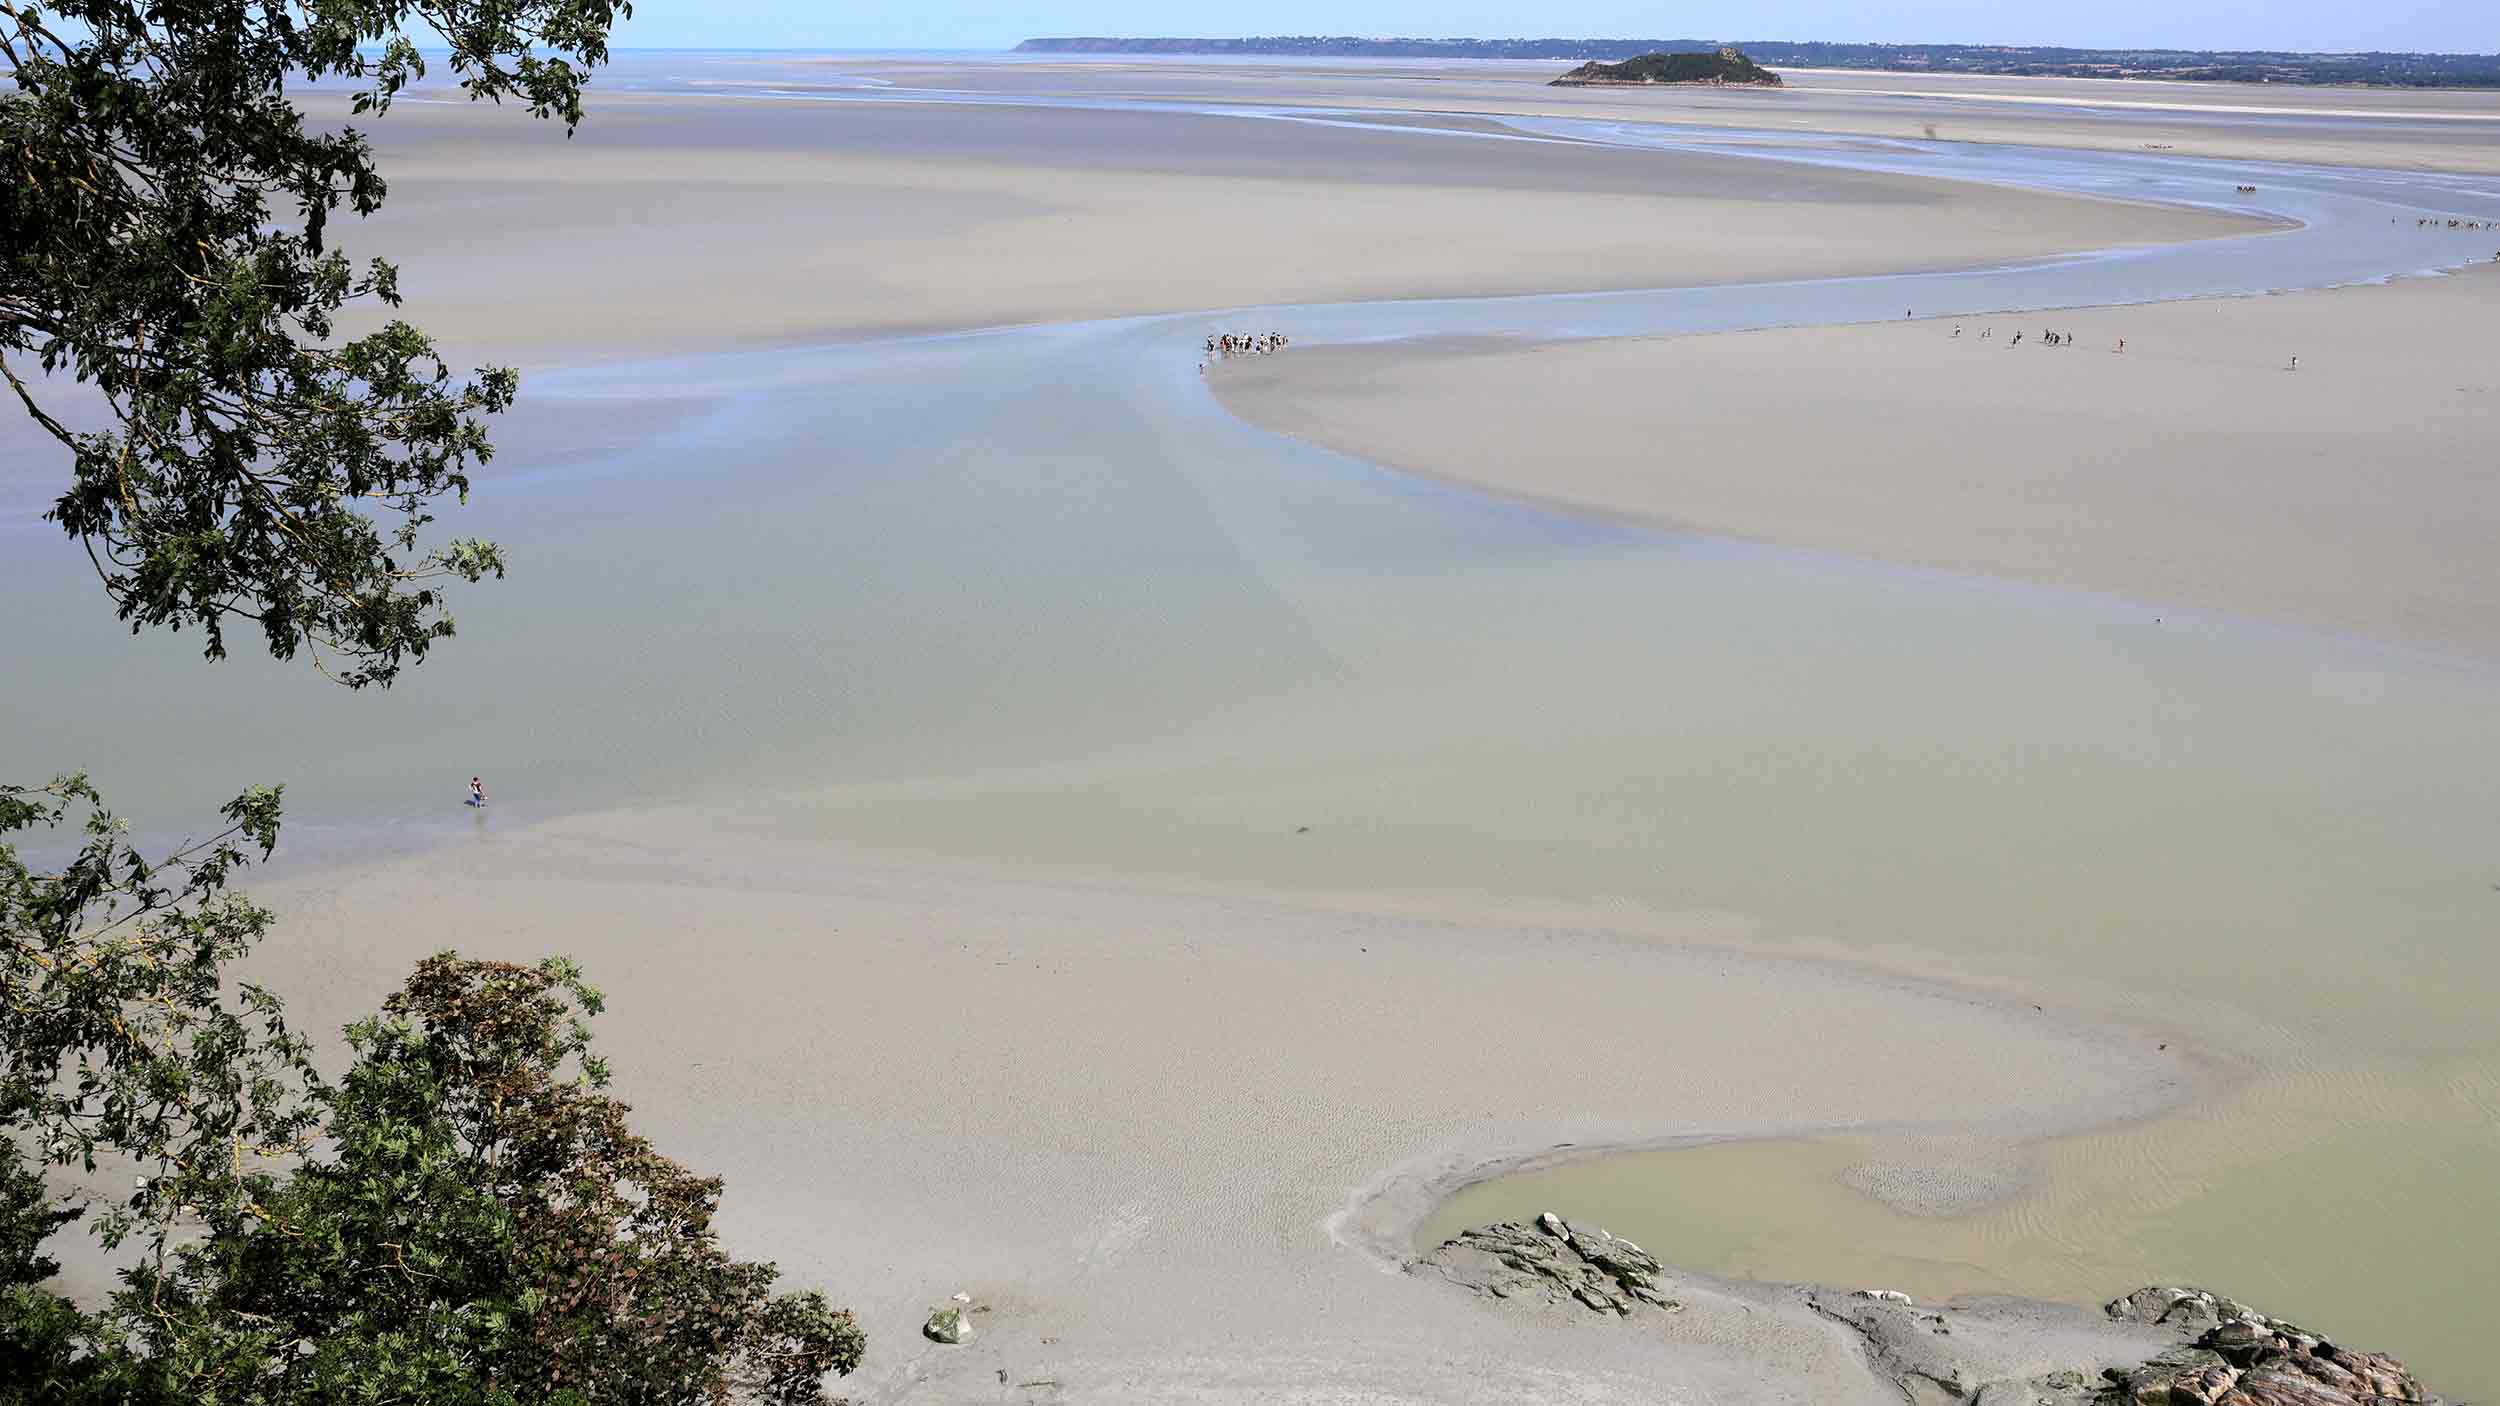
{"x":1555,"y":1261}
{"x":2154,"y":1347}
{"x":2241,"y":1357}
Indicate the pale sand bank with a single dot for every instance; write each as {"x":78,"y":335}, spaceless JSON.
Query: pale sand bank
{"x":1151,"y":1132}
{"x":685,"y":223}
{"x":2432,"y":129}
{"x":2355,"y":494}
{"x":1130,"y":1123}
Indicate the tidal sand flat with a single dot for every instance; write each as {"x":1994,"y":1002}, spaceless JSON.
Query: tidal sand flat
{"x":2411,"y":129}
{"x":1050,"y":839}
{"x":2208,"y":482}
{"x":735,"y":219}
{"x":2197,"y":467}
{"x":1173,"y":1145}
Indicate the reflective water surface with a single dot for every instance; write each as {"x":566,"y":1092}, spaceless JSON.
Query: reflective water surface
{"x":1030,"y":597}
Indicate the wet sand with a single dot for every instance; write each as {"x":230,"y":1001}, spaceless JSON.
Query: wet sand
{"x":2198,"y":469}
{"x":745,"y":221}
{"x":1173,"y":1145}
{"x":1130,"y":874}
{"x":2196,"y":475}
{"x":2434,"y":129}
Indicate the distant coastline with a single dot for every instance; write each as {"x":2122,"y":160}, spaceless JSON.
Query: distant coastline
{"x":2376,"y":70}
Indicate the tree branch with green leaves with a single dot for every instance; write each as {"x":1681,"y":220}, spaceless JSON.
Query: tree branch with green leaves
{"x":164,"y":241}
{"x":465,"y":1216}
{"x":117,"y":1037}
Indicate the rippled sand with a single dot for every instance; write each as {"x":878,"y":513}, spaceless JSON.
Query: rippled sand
{"x":1148,"y":1133}
{"x":1047,"y":839}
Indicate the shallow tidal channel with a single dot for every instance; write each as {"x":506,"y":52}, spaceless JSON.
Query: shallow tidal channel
{"x":1029,"y":598}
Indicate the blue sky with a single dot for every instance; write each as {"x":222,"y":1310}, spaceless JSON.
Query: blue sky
{"x":2456,"y":25}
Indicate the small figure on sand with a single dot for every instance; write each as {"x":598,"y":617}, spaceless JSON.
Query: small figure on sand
{"x":477,"y":791}
{"x":2295,"y":366}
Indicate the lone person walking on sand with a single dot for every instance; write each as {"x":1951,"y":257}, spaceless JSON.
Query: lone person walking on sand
{"x":477,"y":791}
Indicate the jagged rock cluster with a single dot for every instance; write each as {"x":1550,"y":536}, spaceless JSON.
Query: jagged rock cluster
{"x":2227,"y":1354}
{"x":2241,"y":1357}
{"x":1554,"y":1259}
{"x":2154,"y":1347}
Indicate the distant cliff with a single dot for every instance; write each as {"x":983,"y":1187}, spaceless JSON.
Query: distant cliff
{"x":2192,"y":65}
{"x":1727,"y":67}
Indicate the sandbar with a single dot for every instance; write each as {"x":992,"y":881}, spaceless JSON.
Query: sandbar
{"x":689,"y":222}
{"x":2198,"y":468}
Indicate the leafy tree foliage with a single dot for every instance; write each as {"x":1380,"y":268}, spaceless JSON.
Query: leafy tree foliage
{"x":117,"y":1042}
{"x":489,"y":1228}
{"x":164,"y":223}
{"x":464,"y":1218}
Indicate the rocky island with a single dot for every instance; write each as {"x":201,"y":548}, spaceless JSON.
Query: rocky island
{"x":2158,"y":1346}
{"x":1726,"y":68}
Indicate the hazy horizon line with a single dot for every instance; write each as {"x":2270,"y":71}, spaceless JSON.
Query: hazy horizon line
{"x":1513,"y":39}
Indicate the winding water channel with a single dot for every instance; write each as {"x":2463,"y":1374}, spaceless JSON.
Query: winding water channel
{"x":1029,"y":596}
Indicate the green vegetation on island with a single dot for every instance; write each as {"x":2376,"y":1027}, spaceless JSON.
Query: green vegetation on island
{"x":1726,"y":67}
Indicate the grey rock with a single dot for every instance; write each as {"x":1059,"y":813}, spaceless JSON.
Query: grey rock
{"x":2221,"y":1353}
{"x":2237,"y":1356}
{"x":1553,"y":1260}
{"x":950,"y":1325}
{"x":2161,"y":1307}
{"x":2159,"y":1346}
{"x":1598,"y":1299}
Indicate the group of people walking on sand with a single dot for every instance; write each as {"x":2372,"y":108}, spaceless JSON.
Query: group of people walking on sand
{"x":1252,"y":344}
{"x":1259,"y":344}
{"x":2066,"y":339}
{"x":2047,"y":339}
{"x":2435,"y":222}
